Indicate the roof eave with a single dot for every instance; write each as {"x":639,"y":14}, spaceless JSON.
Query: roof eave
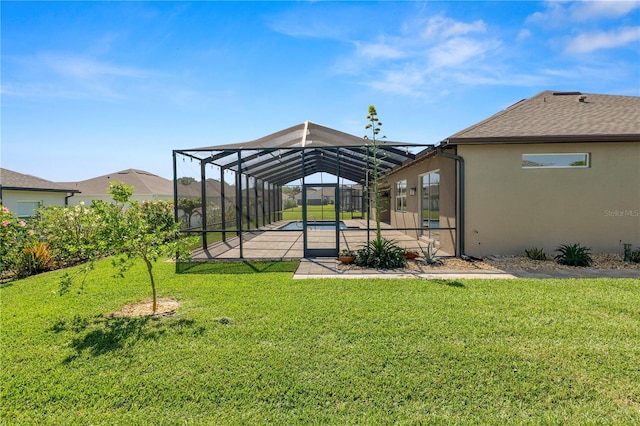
{"x":543,"y":139}
{"x":17,"y":188}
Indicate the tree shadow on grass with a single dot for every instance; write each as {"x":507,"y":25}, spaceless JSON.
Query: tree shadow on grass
{"x":107,"y":334}
{"x":449,"y":283}
{"x":237,"y":266}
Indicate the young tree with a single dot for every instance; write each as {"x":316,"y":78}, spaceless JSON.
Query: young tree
{"x":189,"y":206}
{"x":145,"y":231}
{"x":129,"y":230}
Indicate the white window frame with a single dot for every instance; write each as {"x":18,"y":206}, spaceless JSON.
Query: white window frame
{"x":401,"y":196}
{"x":586,"y":156}
{"x":20,"y":207}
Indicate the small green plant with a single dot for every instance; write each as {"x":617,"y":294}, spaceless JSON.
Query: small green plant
{"x":536,"y":254}
{"x":347,"y":252}
{"x":36,"y":258}
{"x":430,"y":254}
{"x":573,"y":255}
{"x":635,"y":256}
{"x":380,"y":254}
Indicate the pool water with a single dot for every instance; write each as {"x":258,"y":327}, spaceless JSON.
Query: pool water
{"x":297,"y":225}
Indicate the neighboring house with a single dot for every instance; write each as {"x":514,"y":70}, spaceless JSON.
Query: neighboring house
{"x":146,"y":187}
{"x":23,"y":194}
{"x":315,"y":196}
{"x":557,"y":168}
{"x":319,"y":196}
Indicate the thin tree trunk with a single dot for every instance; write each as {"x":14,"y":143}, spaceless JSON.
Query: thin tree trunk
{"x":153,"y":284}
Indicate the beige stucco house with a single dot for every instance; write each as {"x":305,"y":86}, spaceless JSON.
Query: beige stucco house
{"x":23,"y":194}
{"x":557,"y":168}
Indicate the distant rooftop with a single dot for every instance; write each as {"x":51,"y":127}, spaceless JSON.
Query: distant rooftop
{"x":143,"y":183}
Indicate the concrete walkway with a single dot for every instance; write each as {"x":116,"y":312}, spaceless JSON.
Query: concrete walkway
{"x":328,"y":268}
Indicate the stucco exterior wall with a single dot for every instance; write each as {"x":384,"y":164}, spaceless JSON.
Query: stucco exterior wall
{"x":412,"y":218}
{"x":11,"y":198}
{"x":88,"y":199}
{"x":510,"y":209}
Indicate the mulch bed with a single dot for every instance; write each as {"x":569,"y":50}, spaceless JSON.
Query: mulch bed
{"x":501,"y":263}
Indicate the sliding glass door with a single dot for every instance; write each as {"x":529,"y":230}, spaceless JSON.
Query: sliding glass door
{"x":430,"y":202}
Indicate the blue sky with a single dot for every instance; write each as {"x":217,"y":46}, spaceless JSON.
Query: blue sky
{"x":90,"y":88}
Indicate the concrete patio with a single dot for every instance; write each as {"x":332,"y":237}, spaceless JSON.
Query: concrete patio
{"x":270,"y":242}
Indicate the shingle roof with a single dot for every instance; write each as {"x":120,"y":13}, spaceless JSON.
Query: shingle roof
{"x":18,"y":181}
{"x":559,"y":116}
{"x":144,"y":183}
{"x":194,"y":190}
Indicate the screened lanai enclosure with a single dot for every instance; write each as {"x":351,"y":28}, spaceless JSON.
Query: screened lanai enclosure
{"x":300,"y":192}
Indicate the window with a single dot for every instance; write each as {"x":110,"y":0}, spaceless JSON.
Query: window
{"x":27,"y":208}
{"x":401,"y":196}
{"x":555,"y":161}
{"x":430,"y":199}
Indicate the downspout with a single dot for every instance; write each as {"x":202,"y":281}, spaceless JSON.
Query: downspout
{"x":460,"y":161}
{"x":66,"y":198}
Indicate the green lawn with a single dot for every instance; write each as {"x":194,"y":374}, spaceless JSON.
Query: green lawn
{"x":261,"y":348}
{"x":327,"y":212}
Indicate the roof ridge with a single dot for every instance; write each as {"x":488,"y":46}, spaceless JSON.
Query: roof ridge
{"x":557,"y":114}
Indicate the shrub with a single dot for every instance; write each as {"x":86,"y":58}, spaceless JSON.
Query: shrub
{"x":290,"y":204}
{"x":71,"y":232}
{"x":14,"y":236}
{"x":36,"y":258}
{"x":635,"y":255}
{"x":536,"y":254}
{"x":381,"y":254}
{"x":573,"y":255}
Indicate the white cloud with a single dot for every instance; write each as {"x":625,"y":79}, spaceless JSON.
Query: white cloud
{"x":554,"y":14}
{"x":379,"y":50}
{"x":524,"y":34}
{"x":460,"y":51}
{"x":441,"y":27}
{"x":589,"y":42}
{"x":68,"y":76}
{"x":86,"y":68}
{"x":407,"y":81}
{"x":558,"y":13}
{"x":422,"y":52}
{"x":586,"y":10}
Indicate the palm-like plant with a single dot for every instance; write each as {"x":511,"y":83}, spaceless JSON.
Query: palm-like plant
{"x":574,"y":255}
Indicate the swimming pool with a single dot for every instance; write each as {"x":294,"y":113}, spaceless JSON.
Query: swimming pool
{"x":316,"y":225}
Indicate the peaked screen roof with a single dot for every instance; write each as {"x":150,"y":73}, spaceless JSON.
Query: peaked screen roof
{"x":302,"y":150}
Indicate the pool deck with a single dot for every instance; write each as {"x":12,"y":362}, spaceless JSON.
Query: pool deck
{"x":269,"y":243}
